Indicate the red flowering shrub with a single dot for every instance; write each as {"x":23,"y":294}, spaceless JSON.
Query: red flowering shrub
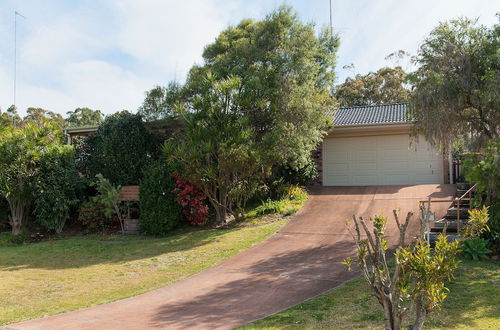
{"x":192,"y":200}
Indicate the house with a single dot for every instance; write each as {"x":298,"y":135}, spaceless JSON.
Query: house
{"x":372,"y":145}
{"x":368,"y":145}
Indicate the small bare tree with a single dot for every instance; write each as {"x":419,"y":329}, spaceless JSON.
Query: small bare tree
{"x":418,"y":278}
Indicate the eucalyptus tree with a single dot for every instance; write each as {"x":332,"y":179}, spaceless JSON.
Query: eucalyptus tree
{"x":457,"y":85}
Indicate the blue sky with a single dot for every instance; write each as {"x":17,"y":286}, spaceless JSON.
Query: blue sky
{"x":105,"y":54}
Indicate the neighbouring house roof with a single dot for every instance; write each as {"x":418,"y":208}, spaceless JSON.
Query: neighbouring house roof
{"x":371,"y":114}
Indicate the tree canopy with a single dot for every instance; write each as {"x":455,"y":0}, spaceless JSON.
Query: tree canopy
{"x":259,"y":100}
{"x":457,"y":85}
{"x":386,"y":85}
{"x":159,"y":102}
{"x":84,"y":117}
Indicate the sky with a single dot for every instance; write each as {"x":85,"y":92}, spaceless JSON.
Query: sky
{"x":106,"y":54}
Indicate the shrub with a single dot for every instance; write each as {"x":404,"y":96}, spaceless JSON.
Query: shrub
{"x":477,"y":224}
{"x":160,"y":212}
{"x":107,"y":198}
{"x":92,"y":217}
{"x":301,"y":176}
{"x":493,"y":235}
{"x":8,"y":239}
{"x":192,"y":201}
{"x":484,"y":170}
{"x":292,"y":192}
{"x":122,"y":146}
{"x":4,"y":214}
{"x":57,"y":188}
{"x":271,"y":207}
{"x":475,"y":248}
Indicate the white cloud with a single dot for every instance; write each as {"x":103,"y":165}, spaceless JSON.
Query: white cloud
{"x":106,"y":54}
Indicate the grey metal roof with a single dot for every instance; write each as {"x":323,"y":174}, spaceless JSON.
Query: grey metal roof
{"x":371,"y":114}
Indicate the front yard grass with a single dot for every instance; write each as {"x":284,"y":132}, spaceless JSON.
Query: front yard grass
{"x":473,"y":303}
{"x":62,"y":275}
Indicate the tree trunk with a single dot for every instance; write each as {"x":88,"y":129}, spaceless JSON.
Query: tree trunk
{"x":19,"y":210}
{"x":220,"y":215}
{"x":421,"y":314}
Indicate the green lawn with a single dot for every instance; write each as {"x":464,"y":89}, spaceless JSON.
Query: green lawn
{"x":63,"y":275}
{"x":473,"y":303}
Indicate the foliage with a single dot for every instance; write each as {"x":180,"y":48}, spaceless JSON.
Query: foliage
{"x":38,"y":115}
{"x":159,"y":102}
{"x":493,"y":234}
{"x":424,"y":272}
{"x":121,"y":148}
{"x":218,"y":153}
{"x":22,"y":150}
{"x":418,"y":280}
{"x":56,"y":188}
{"x":4,"y":214}
{"x":271,"y":207}
{"x":477,"y":224}
{"x":386,"y":85}
{"x":191,"y":200}
{"x":301,"y":176}
{"x":475,"y":248}
{"x":455,"y":93}
{"x":83,"y":117}
{"x":8,"y":239}
{"x":246,"y":114}
{"x":9,"y":118}
{"x":484,"y":170}
{"x":160,"y":212}
{"x":92,"y":217}
{"x":107,"y":198}
{"x":293,"y":192}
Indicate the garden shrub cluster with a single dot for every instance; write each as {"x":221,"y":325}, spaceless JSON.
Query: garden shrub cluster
{"x":160,"y":211}
{"x":121,"y":148}
{"x":57,"y":188}
{"x":192,"y":200}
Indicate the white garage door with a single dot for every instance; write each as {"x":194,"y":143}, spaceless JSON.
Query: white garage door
{"x":380,"y":160}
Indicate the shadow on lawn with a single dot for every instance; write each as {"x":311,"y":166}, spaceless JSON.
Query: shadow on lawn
{"x":82,"y":252}
{"x":262,"y":288}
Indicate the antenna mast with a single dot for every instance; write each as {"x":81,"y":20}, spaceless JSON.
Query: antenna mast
{"x":15,"y":53}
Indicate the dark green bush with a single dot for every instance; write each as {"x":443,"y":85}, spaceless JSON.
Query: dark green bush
{"x":91,"y":216}
{"x":57,"y":188}
{"x":4,"y":214}
{"x":493,"y":235}
{"x":297,"y":176}
{"x":7,"y":239}
{"x":160,"y":212}
{"x":122,"y":146}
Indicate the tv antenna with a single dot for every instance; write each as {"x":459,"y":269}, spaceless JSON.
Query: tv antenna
{"x":16,"y":14}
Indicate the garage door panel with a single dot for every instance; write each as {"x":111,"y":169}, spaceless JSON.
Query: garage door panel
{"x":365,"y":180}
{"x":380,"y":160}
{"x":396,"y":179}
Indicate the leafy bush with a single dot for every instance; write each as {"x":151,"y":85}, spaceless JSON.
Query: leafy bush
{"x":484,"y":170}
{"x":107,"y":198}
{"x":477,"y":224}
{"x":92,"y":217}
{"x":160,"y":212}
{"x":302,"y":176}
{"x":8,"y":239}
{"x":4,"y":214}
{"x":475,"y":248}
{"x":292,"y":192}
{"x":192,"y":201}
{"x":122,"y":146}
{"x":271,"y":207}
{"x":57,"y":188}
{"x":493,"y":234}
